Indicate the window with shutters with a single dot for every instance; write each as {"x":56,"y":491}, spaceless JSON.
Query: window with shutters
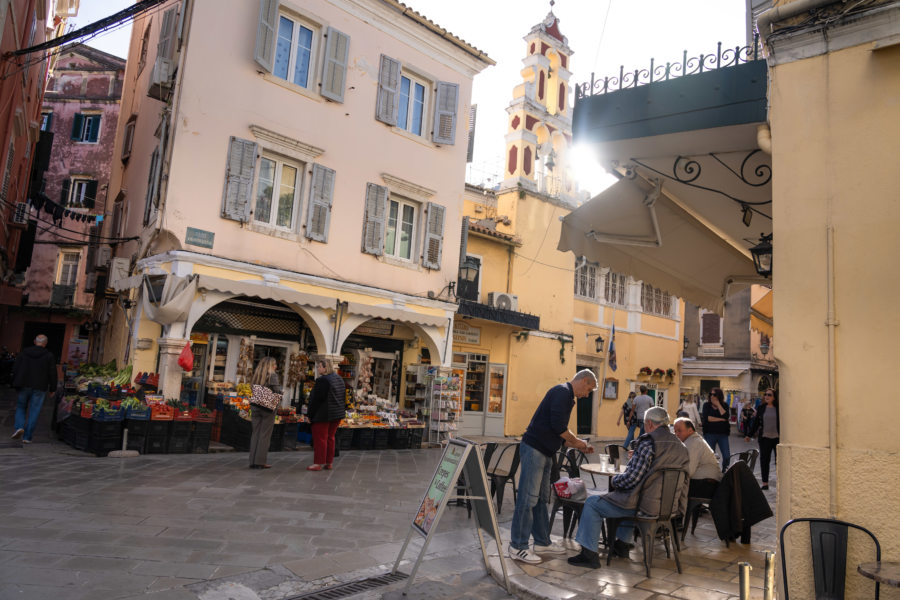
{"x":128,"y":138}
{"x":400,"y":228}
{"x":276,"y":201}
{"x":86,"y":128}
{"x":81,"y":193}
{"x":655,"y":301}
{"x":710,"y":328}
{"x":67,"y":269}
{"x":295,"y":50}
{"x":586,"y":280}
{"x":614,"y":288}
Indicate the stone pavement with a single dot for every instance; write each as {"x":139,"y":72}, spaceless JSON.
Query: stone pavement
{"x":189,"y":527}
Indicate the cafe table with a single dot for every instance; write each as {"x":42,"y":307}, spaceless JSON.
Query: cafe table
{"x":601,"y":468}
{"x":882,"y":571}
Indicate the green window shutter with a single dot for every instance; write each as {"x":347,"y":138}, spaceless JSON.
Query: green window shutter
{"x":387,"y":105}
{"x":166,"y":46}
{"x":90,"y":194}
{"x":445,"y":113}
{"x":94,"y":123}
{"x":239,"y":179}
{"x":76,"y":126}
{"x":337,"y":53}
{"x":64,"y":196}
{"x":321,"y":193}
{"x":434,"y":237}
{"x":373,"y":225}
{"x":265,"y":34}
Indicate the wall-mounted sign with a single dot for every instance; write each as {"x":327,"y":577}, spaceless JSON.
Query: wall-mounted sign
{"x":199,"y":237}
{"x":463,"y":333}
{"x":375,"y":327}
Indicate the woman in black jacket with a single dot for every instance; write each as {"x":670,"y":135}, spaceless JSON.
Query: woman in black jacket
{"x":327,"y":406}
{"x":767,"y":425}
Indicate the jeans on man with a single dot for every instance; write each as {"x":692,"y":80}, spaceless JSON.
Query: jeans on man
{"x":597,"y":508}
{"x":720,"y":439}
{"x":635,"y":424}
{"x":30,"y":402}
{"x":530,"y":517}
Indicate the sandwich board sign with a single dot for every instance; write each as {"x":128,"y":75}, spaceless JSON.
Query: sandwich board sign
{"x":461,"y":458}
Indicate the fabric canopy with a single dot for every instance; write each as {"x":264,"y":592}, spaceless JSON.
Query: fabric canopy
{"x":174,"y":302}
{"x":394,"y":314}
{"x":761,"y":315}
{"x":651,"y":238}
{"x":260,"y":289}
{"x":700,"y":371}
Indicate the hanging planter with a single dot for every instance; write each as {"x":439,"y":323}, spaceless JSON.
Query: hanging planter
{"x":658,"y":373}
{"x":670,"y":373}
{"x":645,"y":371}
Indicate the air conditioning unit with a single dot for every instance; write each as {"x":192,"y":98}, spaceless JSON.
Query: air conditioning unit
{"x":90,"y":283}
{"x":161,"y":78}
{"x":119,"y":268}
{"x":101,"y":258}
{"x":503,"y":300}
{"x":20,"y":215}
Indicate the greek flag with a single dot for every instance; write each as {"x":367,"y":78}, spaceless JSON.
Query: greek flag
{"x":611,"y":355}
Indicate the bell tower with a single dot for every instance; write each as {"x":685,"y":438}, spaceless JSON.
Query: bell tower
{"x":540,"y":116}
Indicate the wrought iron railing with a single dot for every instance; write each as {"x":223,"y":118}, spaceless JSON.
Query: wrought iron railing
{"x":467,"y":308}
{"x":729,"y":57}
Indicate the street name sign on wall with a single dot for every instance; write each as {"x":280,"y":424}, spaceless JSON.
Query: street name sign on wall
{"x":463,"y":333}
{"x":461,"y":458}
{"x":199,"y":237}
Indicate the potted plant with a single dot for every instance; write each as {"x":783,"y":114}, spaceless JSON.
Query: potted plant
{"x":670,"y":373}
{"x":658,"y":372}
{"x":647,"y":371}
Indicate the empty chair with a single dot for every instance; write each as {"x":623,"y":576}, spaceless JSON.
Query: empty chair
{"x":501,"y":469}
{"x":692,"y":513}
{"x":748,"y":456}
{"x":828,"y":542}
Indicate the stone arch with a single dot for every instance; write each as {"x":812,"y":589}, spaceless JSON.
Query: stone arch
{"x":430,"y":336}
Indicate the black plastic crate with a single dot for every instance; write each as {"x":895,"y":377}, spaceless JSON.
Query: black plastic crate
{"x":137,"y":442}
{"x":158,"y":428}
{"x":398,"y":438}
{"x":345,"y":437}
{"x":104,"y":429}
{"x":199,"y":445}
{"x":101,"y":446}
{"x":415,"y":437}
{"x":202,"y":429}
{"x":380,"y":439}
{"x":290,"y":436}
{"x":180,"y":429}
{"x":137,"y":427}
{"x":276,"y":443}
{"x":157,"y":444}
{"x":364,"y":439}
{"x":79,"y":423}
{"x":179,"y":445}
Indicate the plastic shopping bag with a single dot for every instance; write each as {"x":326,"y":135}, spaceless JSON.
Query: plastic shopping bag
{"x":186,"y":358}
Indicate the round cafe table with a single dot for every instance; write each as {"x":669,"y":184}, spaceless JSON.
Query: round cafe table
{"x":884,"y":572}
{"x":606,"y":468}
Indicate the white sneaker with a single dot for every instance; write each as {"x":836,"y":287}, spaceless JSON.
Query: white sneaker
{"x":553,"y":548}
{"x":525,"y":556}
{"x":18,"y":434}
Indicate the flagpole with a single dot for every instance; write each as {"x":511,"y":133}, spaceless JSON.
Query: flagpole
{"x":602,"y":382}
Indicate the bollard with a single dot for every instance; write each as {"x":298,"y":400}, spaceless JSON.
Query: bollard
{"x":769,"y":585}
{"x":745,"y":580}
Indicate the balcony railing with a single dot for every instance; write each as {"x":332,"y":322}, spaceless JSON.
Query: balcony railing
{"x":62,"y":295}
{"x":468,"y":308}
{"x":729,"y":57}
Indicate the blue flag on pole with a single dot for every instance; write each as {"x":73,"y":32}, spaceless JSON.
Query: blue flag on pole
{"x":611,"y":355}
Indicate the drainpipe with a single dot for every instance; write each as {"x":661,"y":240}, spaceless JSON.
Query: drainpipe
{"x":786,"y":11}
{"x":830,"y":323}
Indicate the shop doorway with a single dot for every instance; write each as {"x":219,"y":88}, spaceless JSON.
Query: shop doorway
{"x":585,"y":409}
{"x":484,"y":394}
{"x":55,"y":332}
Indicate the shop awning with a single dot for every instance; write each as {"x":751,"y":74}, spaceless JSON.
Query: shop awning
{"x":260,"y":289}
{"x":700,"y":371}
{"x":394,"y":314}
{"x":761,"y":315}
{"x":650,"y":237}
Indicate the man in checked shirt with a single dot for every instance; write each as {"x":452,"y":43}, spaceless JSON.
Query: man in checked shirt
{"x":657,"y":449}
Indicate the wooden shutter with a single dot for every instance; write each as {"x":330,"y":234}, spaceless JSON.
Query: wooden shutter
{"x":387,"y":105}
{"x":90,"y":194}
{"x":265,"y":34}
{"x":239,"y":179}
{"x":94,"y":123}
{"x":321,"y":193}
{"x":64,"y":196}
{"x":166,"y":46}
{"x":710,"y":329}
{"x":434,"y":237}
{"x":373,"y":220}
{"x":334,"y":74}
{"x":445,"y":113}
{"x":77,"y":123}
{"x":470,"y":150}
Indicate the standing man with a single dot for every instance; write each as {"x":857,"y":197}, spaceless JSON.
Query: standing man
{"x":34,"y":374}
{"x":657,"y":449}
{"x":641,"y":404}
{"x":548,"y":430}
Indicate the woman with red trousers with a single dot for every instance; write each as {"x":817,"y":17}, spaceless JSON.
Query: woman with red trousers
{"x":326,"y":409}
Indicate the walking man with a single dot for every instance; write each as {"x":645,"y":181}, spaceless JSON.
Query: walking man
{"x":638,"y":409}
{"x":34,"y":374}
{"x":548,"y":430}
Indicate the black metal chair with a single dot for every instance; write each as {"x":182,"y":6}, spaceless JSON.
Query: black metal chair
{"x":673,"y":481}
{"x":748,"y":456}
{"x":567,"y":461}
{"x":617,"y":453}
{"x":694,"y":505}
{"x":501,"y":470}
{"x":828,"y":540}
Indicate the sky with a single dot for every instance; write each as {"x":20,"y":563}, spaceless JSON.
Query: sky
{"x":603,"y":34}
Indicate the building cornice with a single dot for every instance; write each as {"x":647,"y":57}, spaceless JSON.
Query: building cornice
{"x":407,"y":188}
{"x":303,"y":151}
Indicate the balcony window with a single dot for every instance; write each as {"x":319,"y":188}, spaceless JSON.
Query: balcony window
{"x":67,"y":271}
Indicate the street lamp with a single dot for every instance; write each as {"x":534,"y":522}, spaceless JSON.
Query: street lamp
{"x":468,"y":270}
{"x":764,"y":344}
{"x":598,"y":344}
{"x":686,"y":342}
{"x":762,"y":255}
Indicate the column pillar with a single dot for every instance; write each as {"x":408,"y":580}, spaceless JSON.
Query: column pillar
{"x":170,"y":372}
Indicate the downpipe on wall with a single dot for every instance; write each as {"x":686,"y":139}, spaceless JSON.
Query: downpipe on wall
{"x":831,"y":323}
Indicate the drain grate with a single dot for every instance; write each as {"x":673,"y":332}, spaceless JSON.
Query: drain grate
{"x":354,"y":587}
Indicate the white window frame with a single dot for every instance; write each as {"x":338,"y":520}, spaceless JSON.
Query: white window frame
{"x":587,"y":280}
{"x":312,"y":66}
{"x":402,"y":202}
{"x":128,"y":137}
{"x":78,"y":189}
{"x":46,"y":120}
{"x":73,"y":271}
{"x":85,"y":128}
{"x":618,"y":281}
{"x":653,"y":301}
{"x":280,"y":163}
{"x":414,"y":80}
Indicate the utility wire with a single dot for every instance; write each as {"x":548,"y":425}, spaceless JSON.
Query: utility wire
{"x":75,"y":231}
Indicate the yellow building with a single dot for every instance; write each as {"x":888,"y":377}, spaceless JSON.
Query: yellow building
{"x":536,"y":314}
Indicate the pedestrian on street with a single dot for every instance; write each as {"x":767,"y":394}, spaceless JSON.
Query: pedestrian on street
{"x":767,"y":424}
{"x":639,"y":408}
{"x":689,"y":406}
{"x":34,"y":374}
{"x":716,"y":427}
{"x":626,"y":414}
{"x":547,"y":432}
{"x":267,"y":392}
{"x":327,"y":406}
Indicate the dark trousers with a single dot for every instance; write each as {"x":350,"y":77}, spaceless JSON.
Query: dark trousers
{"x":323,"y":442}
{"x":766,"y":450}
{"x":263,"y":422}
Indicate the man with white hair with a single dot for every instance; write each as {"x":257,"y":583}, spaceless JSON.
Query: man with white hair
{"x":656,"y":449}
{"x":34,"y":373}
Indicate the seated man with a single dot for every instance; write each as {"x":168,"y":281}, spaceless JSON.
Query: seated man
{"x":704,"y":469}
{"x":656,"y":449}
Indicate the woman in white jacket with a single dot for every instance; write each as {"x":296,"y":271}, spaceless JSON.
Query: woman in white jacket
{"x":689,"y":406}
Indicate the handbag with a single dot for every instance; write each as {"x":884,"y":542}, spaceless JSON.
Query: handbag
{"x":264,"y":397}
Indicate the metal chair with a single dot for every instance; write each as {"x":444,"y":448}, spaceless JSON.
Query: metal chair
{"x":828,"y":539}
{"x":748,"y":456}
{"x":566,"y":461}
{"x":501,"y":469}
{"x":672,"y":482}
{"x":617,"y":453}
{"x":692,"y":513}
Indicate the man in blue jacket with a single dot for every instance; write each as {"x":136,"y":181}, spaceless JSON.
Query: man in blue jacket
{"x":34,"y":374}
{"x":548,"y":430}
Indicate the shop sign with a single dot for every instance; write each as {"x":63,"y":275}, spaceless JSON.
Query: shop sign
{"x":375,"y":327}
{"x":199,"y":237}
{"x":464,"y":333}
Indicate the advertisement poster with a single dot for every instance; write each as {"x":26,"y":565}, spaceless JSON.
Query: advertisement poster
{"x":78,"y":349}
{"x":440,"y":483}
